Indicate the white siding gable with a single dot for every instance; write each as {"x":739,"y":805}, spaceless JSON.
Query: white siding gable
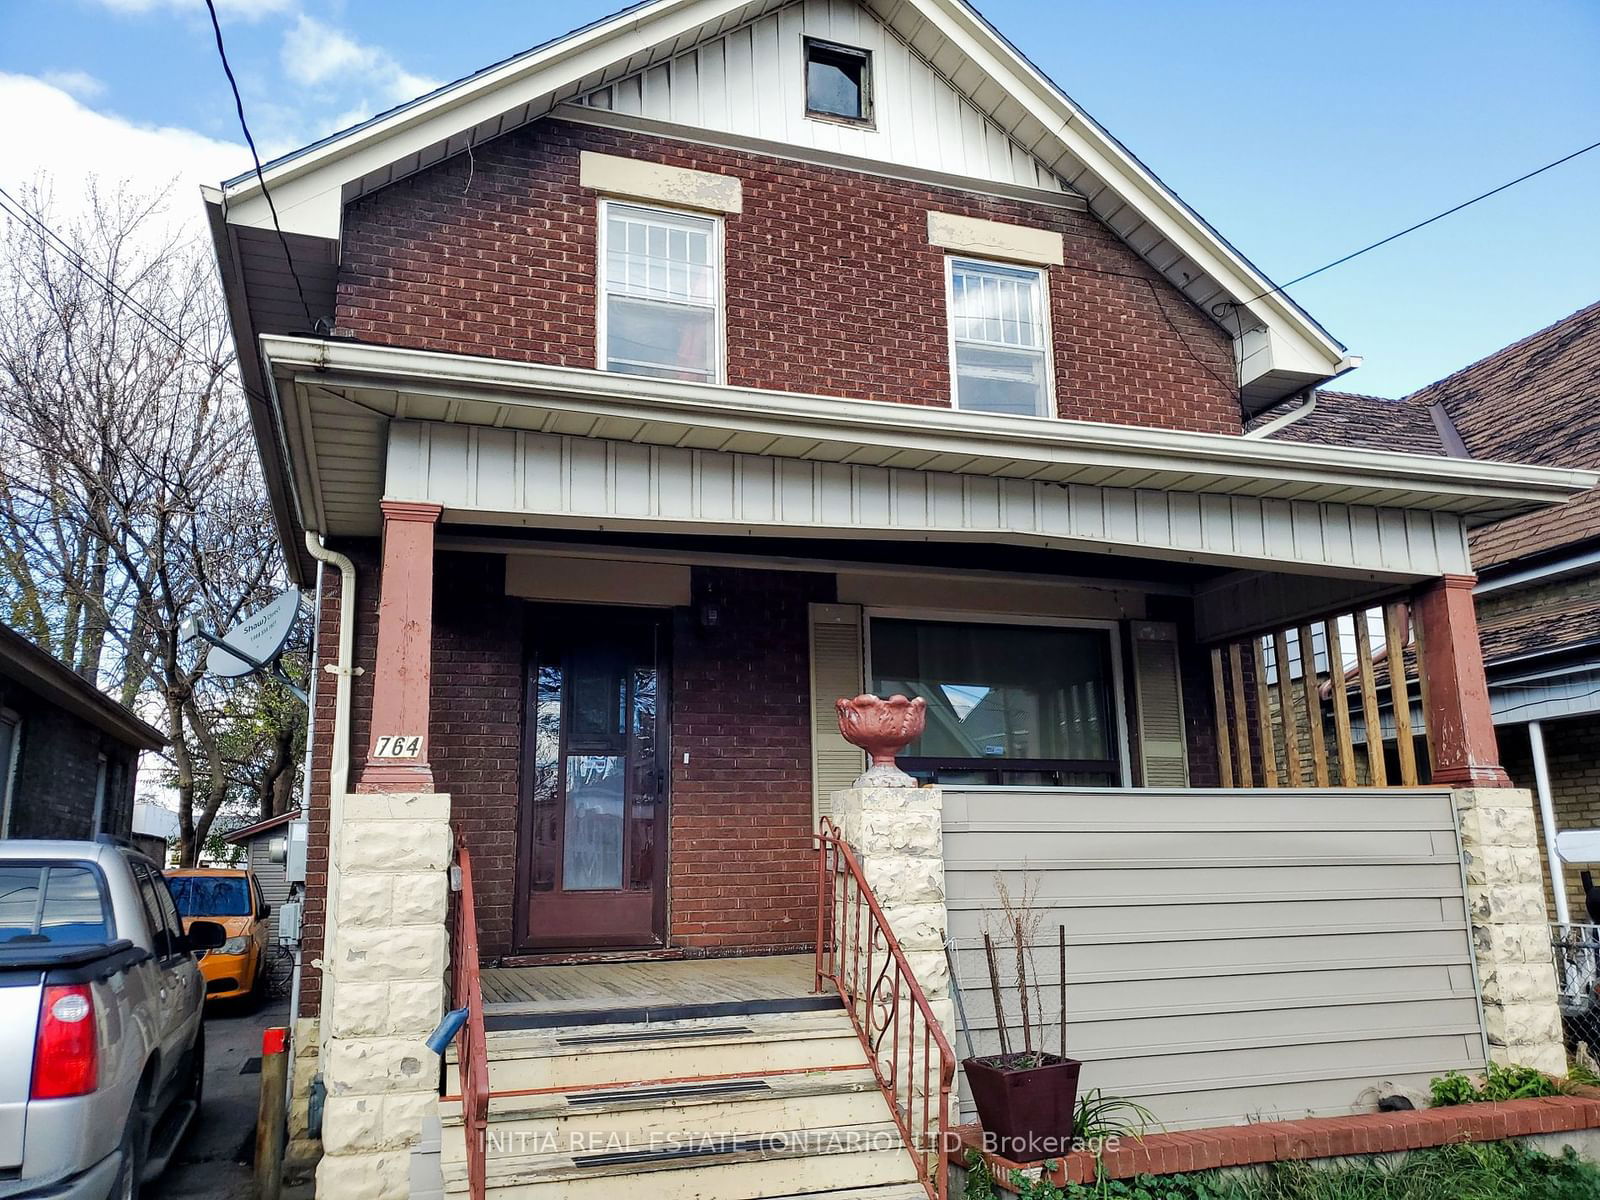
{"x":750,"y":82}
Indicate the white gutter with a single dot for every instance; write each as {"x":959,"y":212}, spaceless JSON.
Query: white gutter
{"x":1298,"y":413}
{"x":916,"y":435}
{"x":339,"y":764}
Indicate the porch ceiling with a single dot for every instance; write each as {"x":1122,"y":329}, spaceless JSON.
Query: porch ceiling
{"x":336,"y":400}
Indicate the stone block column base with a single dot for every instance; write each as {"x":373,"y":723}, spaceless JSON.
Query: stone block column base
{"x":897,"y":835}
{"x":384,"y":991}
{"x":1510,"y":927}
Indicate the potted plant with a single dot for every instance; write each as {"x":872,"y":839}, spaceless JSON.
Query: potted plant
{"x":1025,"y":1096}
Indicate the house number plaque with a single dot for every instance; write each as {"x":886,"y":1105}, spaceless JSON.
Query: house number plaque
{"x":398,"y":745}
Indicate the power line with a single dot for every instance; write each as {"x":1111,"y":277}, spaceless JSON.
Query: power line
{"x":1421,"y":224}
{"x":74,"y":258}
{"x":238,"y":104}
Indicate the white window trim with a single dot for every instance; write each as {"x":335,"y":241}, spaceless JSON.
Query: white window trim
{"x":1112,"y":630}
{"x":8,"y":769}
{"x":1043,"y":274}
{"x":719,"y":350}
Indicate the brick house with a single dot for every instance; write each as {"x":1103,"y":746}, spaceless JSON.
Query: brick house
{"x":629,"y":402}
{"x":1538,"y":590}
{"x":69,"y":754}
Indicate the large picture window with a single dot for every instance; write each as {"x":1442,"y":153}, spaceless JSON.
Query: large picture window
{"x":1007,"y":704}
{"x":660,"y":293}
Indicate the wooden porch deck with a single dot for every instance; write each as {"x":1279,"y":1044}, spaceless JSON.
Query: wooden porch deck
{"x":672,"y":984}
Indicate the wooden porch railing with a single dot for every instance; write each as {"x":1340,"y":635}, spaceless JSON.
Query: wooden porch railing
{"x":859,"y":954}
{"x":472,"y":1053}
{"x":1272,"y":723}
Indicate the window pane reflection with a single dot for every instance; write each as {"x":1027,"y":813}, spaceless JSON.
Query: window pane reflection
{"x":592,"y":850}
{"x":546,"y":775}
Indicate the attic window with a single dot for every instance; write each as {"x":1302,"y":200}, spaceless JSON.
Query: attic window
{"x":838,"y":82}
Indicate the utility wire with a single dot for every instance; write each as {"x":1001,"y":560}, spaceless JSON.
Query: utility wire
{"x":1421,"y":224}
{"x":18,"y":211}
{"x":238,"y":104}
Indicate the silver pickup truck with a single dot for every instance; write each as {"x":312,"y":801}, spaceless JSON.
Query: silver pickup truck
{"x":102,"y":1049}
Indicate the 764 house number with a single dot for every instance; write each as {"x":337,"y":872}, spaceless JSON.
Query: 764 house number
{"x":398,"y":745}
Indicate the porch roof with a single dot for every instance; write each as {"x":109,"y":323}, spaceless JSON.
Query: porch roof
{"x":336,"y":399}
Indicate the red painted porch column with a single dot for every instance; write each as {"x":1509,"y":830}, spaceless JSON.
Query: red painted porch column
{"x":405,"y":648}
{"x":1464,"y":747}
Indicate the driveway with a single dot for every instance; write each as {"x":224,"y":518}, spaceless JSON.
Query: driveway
{"x":214,"y":1161}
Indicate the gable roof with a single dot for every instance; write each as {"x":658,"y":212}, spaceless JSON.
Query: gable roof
{"x":49,"y":677}
{"x":1280,"y":348}
{"x":1536,"y":401}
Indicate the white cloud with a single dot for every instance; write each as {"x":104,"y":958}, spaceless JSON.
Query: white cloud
{"x":79,"y":83}
{"x":246,"y":10}
{"x":63,"y":143}
{"x":320,"y":56}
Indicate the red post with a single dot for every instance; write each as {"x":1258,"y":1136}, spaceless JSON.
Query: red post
{"x":397,"y":759}
{"x":1464,"y":748}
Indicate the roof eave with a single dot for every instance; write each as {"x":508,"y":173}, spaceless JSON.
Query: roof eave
{"x":494,"y":388}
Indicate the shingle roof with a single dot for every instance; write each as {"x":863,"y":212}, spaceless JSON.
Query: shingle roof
{"x":1536,"y":401}
{"x":1515,"y":632}
{"x":1370,"y":422}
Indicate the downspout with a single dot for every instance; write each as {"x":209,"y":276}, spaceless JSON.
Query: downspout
{"x":1547,"y":818}
{"x":339,"y":764}
{"x":305,"y":808}
{"x":1283,"y":421}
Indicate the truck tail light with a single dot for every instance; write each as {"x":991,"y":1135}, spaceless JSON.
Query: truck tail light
{"x":66,"y":1058}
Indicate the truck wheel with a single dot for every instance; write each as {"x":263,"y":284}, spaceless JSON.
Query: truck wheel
{"x":131,"y":1151}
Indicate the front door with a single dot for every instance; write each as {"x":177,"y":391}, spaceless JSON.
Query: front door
{"x":591,"y":868}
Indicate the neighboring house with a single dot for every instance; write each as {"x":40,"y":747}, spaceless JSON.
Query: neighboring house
{"x":265,"y":844}
{"x":630,"y":401}
{"x":1538,"y":589}
{"x":155,"y":829}
{"x":69,"y":754}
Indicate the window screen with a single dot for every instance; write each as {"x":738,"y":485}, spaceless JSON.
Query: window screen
{"x":1006,"y":703}
{"x":999,"y":338}
{"x":662,"y":278}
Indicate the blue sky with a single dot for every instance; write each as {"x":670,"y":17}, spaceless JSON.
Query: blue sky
{"x":1301,"y":130}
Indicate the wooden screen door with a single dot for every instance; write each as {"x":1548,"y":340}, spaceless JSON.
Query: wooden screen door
{"x":591,"y":869}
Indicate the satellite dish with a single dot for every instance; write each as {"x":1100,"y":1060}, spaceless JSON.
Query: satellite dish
{"x":258,"y":638}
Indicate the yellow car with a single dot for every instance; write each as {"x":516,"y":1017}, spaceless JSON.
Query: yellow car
{"x":231,"y":898}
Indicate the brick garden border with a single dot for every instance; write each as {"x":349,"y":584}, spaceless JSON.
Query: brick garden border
{"x":1311,"y":1138}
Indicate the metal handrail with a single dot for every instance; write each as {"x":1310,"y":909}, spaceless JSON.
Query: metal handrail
{"x":472,"y":1053}
{"x":872,"y":992}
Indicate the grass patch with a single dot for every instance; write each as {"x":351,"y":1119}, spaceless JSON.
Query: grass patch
{"x":1492,"y":1171}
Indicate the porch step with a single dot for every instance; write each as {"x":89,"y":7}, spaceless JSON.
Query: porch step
{"x":799,"y":1162}
{"x":752,"y":1105}
{"x":549,"y":1060}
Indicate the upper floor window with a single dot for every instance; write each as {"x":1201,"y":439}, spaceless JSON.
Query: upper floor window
{"x":838,"y":82}
{"x":661,"y":279}
{"x":999,"y":338}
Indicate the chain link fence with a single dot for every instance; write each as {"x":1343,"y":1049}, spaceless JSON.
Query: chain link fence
{"x":1577,"y":957}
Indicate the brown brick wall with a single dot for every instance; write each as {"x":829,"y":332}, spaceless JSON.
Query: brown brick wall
{"x":742,"y":869}
{"x":832,"y":286}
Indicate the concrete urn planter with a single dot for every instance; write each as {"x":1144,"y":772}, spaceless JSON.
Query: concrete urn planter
{"x":883,"y":728}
